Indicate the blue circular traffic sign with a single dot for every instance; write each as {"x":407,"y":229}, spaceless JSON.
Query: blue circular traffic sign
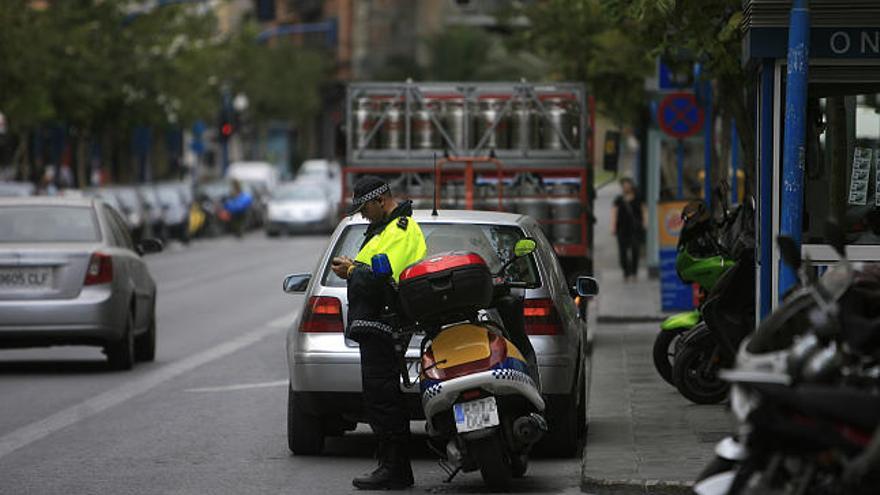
{"x":679,"y":115}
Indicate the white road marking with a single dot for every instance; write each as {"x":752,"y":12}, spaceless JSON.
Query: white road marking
{"x":243,"y":386}
{"x":35,"y":431}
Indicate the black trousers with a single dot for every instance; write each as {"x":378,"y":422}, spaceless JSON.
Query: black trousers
{"x":629,"y":249}
{"x":384,"y":402}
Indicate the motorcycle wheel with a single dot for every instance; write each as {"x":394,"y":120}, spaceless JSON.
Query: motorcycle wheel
{"x":696,"y":376}
{"x":664,"y":352}
{"x":494,"y":465}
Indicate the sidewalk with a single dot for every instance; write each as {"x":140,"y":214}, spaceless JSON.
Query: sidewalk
{"x":620,"y":302}
{"x":643,"y":436}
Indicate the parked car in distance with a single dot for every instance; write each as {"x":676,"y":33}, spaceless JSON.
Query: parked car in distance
{"x":70,"y":274}
{"x":175,"y":211}
{"x":299,"y":207}
{"x":326,"y":171}
{"x":133,"y":210}
{"x":11,"y":188}
{"x":152,"y":210}
{"x":324,"y":397}
{"x":260,"y":175}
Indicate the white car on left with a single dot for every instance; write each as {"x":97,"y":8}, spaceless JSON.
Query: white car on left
{"x":70,"y":274}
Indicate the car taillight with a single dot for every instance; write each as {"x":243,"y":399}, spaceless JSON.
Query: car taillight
{"x":323,"y":314}
{"x":541,"y":317}
{"x":100,"y":270}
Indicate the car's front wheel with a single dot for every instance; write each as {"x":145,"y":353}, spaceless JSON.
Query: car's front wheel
{"x":305,"y":432}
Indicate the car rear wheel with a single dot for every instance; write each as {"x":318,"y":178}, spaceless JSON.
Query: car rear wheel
{"x":305,"y":432}
{"x":120,"y":354}
{"x":145,"y":344}
{"x":562,"y":439}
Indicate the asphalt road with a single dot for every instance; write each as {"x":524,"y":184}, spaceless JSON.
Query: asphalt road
{"x":208,"y":416}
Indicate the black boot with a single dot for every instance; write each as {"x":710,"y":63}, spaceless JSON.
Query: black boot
{"x":394,"y":471}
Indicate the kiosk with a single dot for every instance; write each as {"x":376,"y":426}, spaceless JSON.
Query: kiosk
{"x":834,"y":168}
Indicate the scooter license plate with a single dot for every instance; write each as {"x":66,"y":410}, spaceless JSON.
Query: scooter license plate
{"x":475,"y":415}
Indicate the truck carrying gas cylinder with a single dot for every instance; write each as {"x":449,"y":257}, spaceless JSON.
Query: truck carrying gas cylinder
{"x":506,"y":146}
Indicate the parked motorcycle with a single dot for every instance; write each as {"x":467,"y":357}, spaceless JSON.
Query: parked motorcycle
{"x":728,"y":316}
{"x":806,"y":391}
{"x":481,"y":396}
{"x":701,"y":260}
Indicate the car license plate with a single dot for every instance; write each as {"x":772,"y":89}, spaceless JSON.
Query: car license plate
{"x":475,"y":415}
{"x":25,"y":278}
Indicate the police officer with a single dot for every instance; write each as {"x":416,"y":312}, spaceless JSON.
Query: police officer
{"x":392,"y":231}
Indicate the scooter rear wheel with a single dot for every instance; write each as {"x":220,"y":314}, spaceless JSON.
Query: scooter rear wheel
{"x":696,"y":376}
{"x":493,"y":461}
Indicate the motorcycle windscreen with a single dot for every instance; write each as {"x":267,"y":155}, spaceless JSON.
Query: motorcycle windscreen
{"x":460,"y":344}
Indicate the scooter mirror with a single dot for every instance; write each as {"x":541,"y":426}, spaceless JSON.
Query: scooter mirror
{"x":789,"y":251}
{"x":524,"y":247}
{"x":380,"y":265}
{"x":836,"y":237}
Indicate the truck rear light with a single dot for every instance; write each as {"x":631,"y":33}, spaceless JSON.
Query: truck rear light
{"x":100,"y":270}
{"x":323,"y":314}
{"x":541,"y":317}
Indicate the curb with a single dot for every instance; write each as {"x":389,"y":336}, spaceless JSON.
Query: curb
{"x":631,"y":318}
{"x":597,"y":486}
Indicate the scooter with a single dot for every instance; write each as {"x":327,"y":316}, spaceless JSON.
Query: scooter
{"x":480,"y":395}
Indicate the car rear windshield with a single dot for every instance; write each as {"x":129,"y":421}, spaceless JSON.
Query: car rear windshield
{"x":48,"y":224}
{"x":493,"y":242}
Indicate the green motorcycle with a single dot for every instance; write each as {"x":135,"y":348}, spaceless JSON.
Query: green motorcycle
{"x":700,"y":260}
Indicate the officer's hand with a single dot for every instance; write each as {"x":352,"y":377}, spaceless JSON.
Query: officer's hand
{"x":340,"y":265}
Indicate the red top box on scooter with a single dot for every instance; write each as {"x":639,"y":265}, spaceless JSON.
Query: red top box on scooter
{"x":446,"y":287}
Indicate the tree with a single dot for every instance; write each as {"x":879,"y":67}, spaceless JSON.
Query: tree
{"x":281,"y":80}
{"x":463,"y":53}
{"x":584,"y":43}
{"x":709,"y":32}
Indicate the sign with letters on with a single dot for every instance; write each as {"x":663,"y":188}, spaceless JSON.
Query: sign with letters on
{"x":825,"y":42}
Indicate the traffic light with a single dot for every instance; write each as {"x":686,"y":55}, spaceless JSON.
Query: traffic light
{"x":226,"y":126}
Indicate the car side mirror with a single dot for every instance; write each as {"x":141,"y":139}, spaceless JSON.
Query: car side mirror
{"x":296,"y":283}
{"x":148,"y":246}
{"x":587,"y":286}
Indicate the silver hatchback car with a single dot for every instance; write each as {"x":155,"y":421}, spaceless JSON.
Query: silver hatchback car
{"x":71,"y":275}
{"x":324,"y":397}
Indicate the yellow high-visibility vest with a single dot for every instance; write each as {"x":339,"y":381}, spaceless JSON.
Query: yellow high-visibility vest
{"x":402,"y":241}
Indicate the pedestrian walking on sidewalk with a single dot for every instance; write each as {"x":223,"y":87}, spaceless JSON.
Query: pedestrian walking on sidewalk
{"x":628,"y":224}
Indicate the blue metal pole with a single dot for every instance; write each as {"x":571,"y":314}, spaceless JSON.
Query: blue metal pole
{"x":708,"y":148}
{"x":765,"y":187}
{"x":734,"y":164}
{"x":795,"y":132}
{"x":679,"y":161}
